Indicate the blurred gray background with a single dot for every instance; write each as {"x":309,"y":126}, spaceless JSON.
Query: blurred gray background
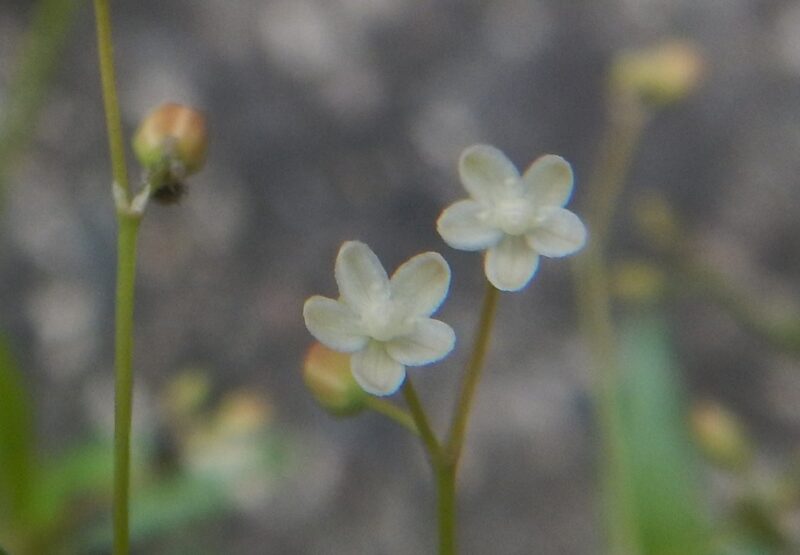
{"x":343,"y":119}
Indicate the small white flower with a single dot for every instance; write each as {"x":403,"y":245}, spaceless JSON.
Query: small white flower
{"x":383,"y":322}
{"x":515,"y":217}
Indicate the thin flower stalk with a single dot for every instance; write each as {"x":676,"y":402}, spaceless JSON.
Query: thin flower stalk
{"x":128,"y":226}
{"x":472,"y":375}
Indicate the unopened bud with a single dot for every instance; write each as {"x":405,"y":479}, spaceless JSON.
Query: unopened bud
{"x":720,"y":436}
{"x":327,"y":374}
{"x":660,"y":75}
{"x":171,"y":144}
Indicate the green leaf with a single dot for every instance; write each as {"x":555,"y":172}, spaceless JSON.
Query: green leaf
{"x":667,"y":517}
{"x":17,"y":456}
{"x":85,"y":470}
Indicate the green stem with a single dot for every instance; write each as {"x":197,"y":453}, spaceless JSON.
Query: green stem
{"x":594,"y":306}
{"x":421,"y":420}
{"x":107,"y":74}
{"x":123,"y":362}
{"x":392,"y":412}
{"x":458,"y":427}
{"x":444,"y":471}
{"x":446,"y":506}
{"x":444,"y":460}
{"x":128,"y":227}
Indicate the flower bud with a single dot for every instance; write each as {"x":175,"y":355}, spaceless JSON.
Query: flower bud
{"x":720,"y":436}
{"x":327,"y":374}
{"x":660,"y":75}
{"x":172,"y":139}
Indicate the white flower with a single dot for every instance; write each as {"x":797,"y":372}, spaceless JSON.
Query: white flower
{"x":516,"y":218}
{"x":383,"y":322}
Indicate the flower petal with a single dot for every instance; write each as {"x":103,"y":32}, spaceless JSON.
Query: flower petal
{"x":360,"y":276}
{"x":375,"y":371}
{"x":484,"y":170}
{"x":549,"y":180}
{"x":420,"y":285}
{"x":462,"y":227}
{"x":560,"y":234}
{"x":511,"y":264}
{"x":333,"y":324}
{"x":430,"y":341}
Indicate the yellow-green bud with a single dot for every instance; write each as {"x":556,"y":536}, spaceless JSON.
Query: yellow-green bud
{"x":659,"y":75}
{"x":327,"y":374}
{"x":721,"y":436}
{"x":172,"y":138}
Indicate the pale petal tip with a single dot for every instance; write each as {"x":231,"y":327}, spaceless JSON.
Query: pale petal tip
{"x":481,"y":148}
{"x":479,"y":154}
{"x":431,"y":341}
{"x":511,"y":266}
{"x":551,"y":180}
{"x":461,"y":227}
{"x":561,"y":235}
{"x":509,"y":286}
{"x":332,"y":324}
{"x":352,"y":244}
{"x":380,"y":389}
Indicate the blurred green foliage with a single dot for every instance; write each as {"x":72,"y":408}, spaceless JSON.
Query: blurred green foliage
{"x":17,"y":472}
{"x":227,"y":449}
{"x":37,"y":63}
{"x":660,"y":467}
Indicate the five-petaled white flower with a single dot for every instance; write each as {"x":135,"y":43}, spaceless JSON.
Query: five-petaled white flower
{"x":385,"y":323}
{"x":515,"y":217}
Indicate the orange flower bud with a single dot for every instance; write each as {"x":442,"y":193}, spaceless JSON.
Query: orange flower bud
{"x":172,"y":138}
{"x":327,"y":374}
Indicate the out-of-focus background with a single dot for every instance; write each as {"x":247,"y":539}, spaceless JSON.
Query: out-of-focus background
{"x":343,"y":119}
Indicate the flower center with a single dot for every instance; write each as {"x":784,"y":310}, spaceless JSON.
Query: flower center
{"x":383,"y":322}
{"x":513,"y":215}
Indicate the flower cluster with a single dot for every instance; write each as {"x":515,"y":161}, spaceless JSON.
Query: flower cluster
{"x":385,"y":323}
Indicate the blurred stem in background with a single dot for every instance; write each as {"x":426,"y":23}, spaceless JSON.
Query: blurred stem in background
{"x":780,"y":333}
{"x":128,"y":226}
{"x":690,"y":274}
{"x":627,"y":119}
{"x":639,"y":82}
{"x":44,"y":41}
